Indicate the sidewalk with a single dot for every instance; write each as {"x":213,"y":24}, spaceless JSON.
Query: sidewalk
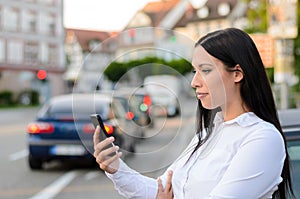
{"x":17,"y":115}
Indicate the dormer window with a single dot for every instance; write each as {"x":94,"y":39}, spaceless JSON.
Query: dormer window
{"x":223,"y":9}
{"x":198,"y":3}
{"x":203,"y":12}
{"x":93,"y":44}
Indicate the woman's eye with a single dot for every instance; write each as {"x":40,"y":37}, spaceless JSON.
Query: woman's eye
{"x":194,"y":71}
{"x":206,"y":71}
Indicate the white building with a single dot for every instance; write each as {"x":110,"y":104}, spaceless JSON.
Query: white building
{"x":89,"y":53}
{"x":31,"y":39}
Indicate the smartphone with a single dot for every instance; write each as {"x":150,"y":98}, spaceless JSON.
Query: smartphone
{"x":97,"y":120}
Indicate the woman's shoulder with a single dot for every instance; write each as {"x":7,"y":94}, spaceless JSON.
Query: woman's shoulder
{"x":251,"y":120}
{"x":250,"y":126}
{"x":265,"y":131}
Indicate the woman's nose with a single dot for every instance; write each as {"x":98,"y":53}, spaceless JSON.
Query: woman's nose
{"x":196,"y":81}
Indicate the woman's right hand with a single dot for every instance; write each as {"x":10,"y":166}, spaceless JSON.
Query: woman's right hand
{"x":167,"y":192}
{"x":103,"y":155}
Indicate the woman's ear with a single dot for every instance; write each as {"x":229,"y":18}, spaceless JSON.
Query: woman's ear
{"x":238,"y":74}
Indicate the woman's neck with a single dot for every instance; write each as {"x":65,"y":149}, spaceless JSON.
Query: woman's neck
{"x":234,"y":110}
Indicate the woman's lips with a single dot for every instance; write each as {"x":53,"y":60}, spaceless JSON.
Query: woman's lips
{"x":201,"y":95}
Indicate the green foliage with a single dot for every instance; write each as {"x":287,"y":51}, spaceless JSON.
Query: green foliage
{"x":115,"y":71}
{"x":297,"y":51}
{"x":25,"y":98}
{"x":181,"y":65}
{"x":149,"y":65}
{"x":257,"y":16}
{"x":6,"y":98}
{"x":270,"y":74}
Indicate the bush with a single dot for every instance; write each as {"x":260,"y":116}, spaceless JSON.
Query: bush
{"x":6,"y":98}
{"x":28,"y":97}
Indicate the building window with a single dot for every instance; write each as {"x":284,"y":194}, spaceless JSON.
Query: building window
{"x":48,"y":25}
{"x":46,"y":2}
{"x":2,"y":50}
{"x":15,"y":52}
{"x":11,"y":19}
{"x":30,"y":21}
{"x":31,"y":52}
{"x":51,"y":24}
{"x":53,"y":55}
{"x":1,"y":16}
{"x":52,"y":28}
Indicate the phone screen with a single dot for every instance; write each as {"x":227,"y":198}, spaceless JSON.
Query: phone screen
{"x":97,"y":120}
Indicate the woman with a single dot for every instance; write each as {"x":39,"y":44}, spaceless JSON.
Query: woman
{"x":239,"y":150}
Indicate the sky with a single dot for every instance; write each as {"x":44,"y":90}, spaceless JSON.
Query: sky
{"x":103,"y":15}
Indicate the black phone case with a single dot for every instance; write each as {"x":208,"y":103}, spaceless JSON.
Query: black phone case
{"x":97,"y":120}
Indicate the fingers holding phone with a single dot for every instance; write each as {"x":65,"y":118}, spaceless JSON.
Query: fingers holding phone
{"x":105,"y":152}
{"x":96,"y":136}
{"x":107,"y":158}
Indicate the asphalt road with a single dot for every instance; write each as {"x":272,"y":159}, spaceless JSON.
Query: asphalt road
{"x":163,"y":144}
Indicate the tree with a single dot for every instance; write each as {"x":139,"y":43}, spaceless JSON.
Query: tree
{"x":115,"y":70}
{"x":149,"y":65}
{"x":257,"y":16}
{"x":297,"y":51}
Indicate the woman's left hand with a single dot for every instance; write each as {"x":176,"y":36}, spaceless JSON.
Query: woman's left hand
{"x":168,"y":191}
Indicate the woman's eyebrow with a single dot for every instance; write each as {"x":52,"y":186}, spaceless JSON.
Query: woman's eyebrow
{"x":203,"y":64}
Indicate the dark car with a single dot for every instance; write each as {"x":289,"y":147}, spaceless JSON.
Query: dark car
{"x":290,"y":122}
{"x":139,"y":103}
{"x":63,"y":129}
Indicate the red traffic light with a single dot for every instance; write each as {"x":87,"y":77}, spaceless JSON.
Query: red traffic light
{"x":41,"y":74}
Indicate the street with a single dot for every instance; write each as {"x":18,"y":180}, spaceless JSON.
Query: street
{"x":163,"y":144}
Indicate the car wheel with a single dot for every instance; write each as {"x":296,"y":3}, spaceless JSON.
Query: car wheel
{"x":34,"y":163}
{"x":142,"y":134}
{"x":178,"y":110}
{"x":132,"y":149}
{"x":171,"y":112}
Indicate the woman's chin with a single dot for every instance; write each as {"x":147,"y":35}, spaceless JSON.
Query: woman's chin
{"x":208,"y":106}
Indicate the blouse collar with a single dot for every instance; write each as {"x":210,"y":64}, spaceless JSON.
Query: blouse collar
{"x":244,"y":120}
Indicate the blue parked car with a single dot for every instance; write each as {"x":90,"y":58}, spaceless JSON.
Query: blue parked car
{"x":63,"y":129}
{"x":291,"y":127}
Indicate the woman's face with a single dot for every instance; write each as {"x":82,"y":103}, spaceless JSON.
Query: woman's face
{"x":214,"y":85}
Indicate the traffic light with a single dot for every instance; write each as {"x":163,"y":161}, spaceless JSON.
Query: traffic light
{"x":41,"y":75}
{"x":131,"y":34}
{"x":173,"y":39}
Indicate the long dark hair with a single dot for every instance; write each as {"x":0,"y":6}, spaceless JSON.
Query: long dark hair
{"x":233,"y":46}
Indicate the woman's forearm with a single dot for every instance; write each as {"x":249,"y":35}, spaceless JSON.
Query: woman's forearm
{"x":131,"y":184}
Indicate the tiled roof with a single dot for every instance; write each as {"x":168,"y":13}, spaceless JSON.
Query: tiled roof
{"x":158,"y":6}
{"x":212,"y":6}
{"x":157,"y":10}
{"x":85,"y":36}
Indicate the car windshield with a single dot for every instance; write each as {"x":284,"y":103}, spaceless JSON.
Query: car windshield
{"x":79,"y":109}
{"x":294,"y":152}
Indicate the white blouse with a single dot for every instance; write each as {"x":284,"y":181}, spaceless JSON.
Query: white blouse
{"x":242,"y":159}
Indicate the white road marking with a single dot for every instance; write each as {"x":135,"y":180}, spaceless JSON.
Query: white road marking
{"x":91,"y":175}
{"x":53,"y":189}
{"x":18,"y":155}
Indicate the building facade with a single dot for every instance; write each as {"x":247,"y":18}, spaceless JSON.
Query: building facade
{"x":151,"y":33}
{"x":171,"y":27}
{"x":32,"y":39}
{"x":88,"y":53}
